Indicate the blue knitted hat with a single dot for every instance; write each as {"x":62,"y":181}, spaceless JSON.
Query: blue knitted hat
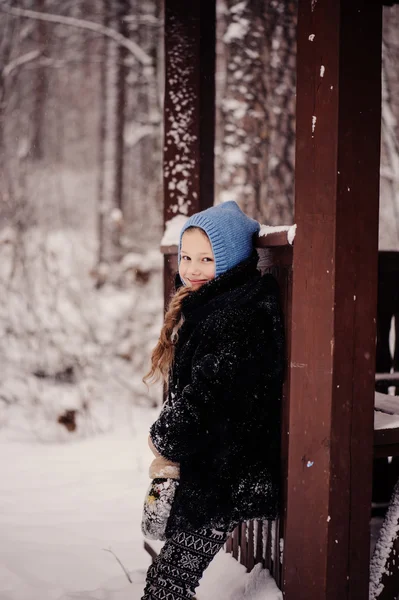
{"x":230,"y":232}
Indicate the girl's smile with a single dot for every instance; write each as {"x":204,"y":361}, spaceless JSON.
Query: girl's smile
{"x":197,"y":263}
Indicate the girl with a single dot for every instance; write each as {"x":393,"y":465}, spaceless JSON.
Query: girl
{"x":221,"y":351}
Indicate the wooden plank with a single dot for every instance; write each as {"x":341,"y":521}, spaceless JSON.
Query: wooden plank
{"x":169,"y":273}
{"x":189,"y":113}
{"x":274,"y":238}
{"x":388,"y":306}
{"x":270,"y":240}
{"x":251,"y":546}
{"x":259,"y":542}
{"x":236,"y":542}
{"x":229,"y":544}
{"x":389,"y":378}
{"x":334,"y":301}
{"x":383,"y":451}
{"x":189,"y":107}
{"x":243,"y":544}
{"x":277,"y":552}
{"x":278,"y":261}
{"x":385,"y":437}
{"x":267,"y":549}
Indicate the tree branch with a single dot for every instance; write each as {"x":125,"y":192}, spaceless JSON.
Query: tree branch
{"x":122,"y":566}
{"x":146,"y":19}
{"x":20,"y":60}
{"x":131,"y":46}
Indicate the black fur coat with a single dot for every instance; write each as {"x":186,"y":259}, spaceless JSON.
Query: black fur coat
{"x":221,"y":420}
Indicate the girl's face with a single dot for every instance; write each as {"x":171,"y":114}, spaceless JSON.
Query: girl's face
{"x":197,"y":264}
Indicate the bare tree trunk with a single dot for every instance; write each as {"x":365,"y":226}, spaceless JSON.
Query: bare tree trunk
{"x":40,"y":89}
{"x":256,"y":123}
{"x":102,"y":132}
{"x":280,"y":24}
{"x":143,"y":136}
{"x":147,"y":151}
{"x":8,"y":30}
{"x":155,"y":101}
{"x":389,"y":182}
{"x":122,"y":11}
{"x":7,"y":41}
{"x":244,"y":116}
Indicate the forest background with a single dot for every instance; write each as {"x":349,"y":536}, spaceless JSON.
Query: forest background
{"x":81,"y":199}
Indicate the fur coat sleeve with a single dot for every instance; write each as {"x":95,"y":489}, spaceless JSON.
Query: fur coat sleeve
{"x":235,"y":357}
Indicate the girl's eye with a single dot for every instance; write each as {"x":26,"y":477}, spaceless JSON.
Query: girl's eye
{"x":208,"y":259}
{"x":185,"y":258}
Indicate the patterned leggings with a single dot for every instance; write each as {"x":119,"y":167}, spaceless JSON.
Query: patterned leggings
{"x":176,"y":571}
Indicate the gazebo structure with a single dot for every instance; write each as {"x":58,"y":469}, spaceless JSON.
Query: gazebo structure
{"x":330,"y":288}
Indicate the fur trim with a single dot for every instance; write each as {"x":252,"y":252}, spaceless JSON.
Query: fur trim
{"x":162,"y":467}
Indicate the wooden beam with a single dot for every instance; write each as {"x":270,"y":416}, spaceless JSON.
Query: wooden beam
{"x":189,"y":109}
{"x":326,"y":549}
{"x":189,"y":112}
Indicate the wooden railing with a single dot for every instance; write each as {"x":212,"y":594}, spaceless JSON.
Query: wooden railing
{"x":255,"y":542}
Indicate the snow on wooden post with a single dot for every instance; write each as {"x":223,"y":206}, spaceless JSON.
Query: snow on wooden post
{"x":189,"y":112}
{"x":326,"y":543}
{"x":384,"y":576}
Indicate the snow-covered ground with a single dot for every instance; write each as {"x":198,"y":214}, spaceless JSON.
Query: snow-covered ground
{"x":70,"y":512}
{"x":72,"y":487}
{"x":64,"y":506}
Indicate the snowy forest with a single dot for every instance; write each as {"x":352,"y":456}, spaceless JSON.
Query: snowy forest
{"x":81,"y":219}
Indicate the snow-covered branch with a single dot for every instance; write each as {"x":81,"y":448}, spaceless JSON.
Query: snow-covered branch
{"x":130,"y":45}
{"x":146,"y":19}
{"x":389,"y":174}
{"x":21,"y":60}
{"x":135,"y":133}
{"x":389,"y":125}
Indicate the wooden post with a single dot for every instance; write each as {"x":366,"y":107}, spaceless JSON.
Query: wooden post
{"x":189,"y":111}
{"x":326,"y":549}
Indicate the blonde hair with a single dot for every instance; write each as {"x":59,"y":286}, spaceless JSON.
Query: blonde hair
{"x":164,"y":352}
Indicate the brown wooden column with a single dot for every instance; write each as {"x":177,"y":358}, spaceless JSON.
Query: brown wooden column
{"x":326,"y":550}
{"x":189,"y":110}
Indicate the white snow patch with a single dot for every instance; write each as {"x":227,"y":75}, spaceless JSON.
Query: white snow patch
{"x":226,"y":196}
{"x":384,"y":421}
{"x":251,"y":53}
{"x":236,"y":31}
{"x":226,"y":579}
{"x":386,"y":414}
{"x":238,"y":8}
{"x":290,"y":229}
{"x":237,"y":107}
{"x":172,"y":230}
{"x":234,"y":156}
{"x":116,"y":215}
{"x":388,"y":534}
{"x":150,"y":261}
{"x":68,"y":346}
{"x":291,"y":234}
{"x":63,"y":506}
{"x":66,"y":508}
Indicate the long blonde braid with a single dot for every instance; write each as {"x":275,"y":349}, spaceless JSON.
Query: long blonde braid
{"x":163,"y":354}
